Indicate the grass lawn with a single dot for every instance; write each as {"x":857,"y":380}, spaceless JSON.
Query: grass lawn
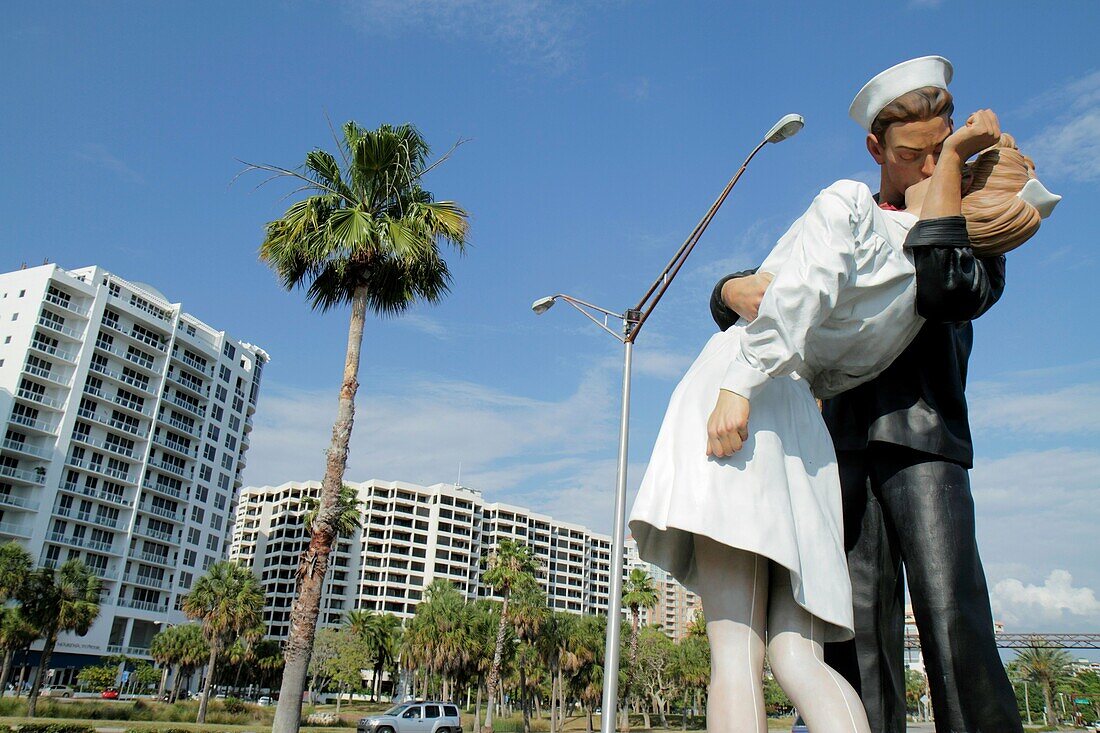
{"x":153,"y":725}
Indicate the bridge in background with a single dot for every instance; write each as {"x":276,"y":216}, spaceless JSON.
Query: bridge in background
{"x":1026,"y":641}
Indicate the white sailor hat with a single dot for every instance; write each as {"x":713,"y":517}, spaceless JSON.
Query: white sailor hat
{"x":927,"y":71}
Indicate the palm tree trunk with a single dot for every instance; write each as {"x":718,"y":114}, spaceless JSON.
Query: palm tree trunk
{"x":494,"y":671}
{"x":477,"y":706}
{"x":314,"y":563}
{"x":206,"y":688}
{"x":524,"y":700}
{"x":9,"y":657}
{"x":43,"y":666}
{"x":377,"y":681}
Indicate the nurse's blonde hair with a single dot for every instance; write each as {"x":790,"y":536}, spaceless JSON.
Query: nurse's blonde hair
{"x":998,"y":220}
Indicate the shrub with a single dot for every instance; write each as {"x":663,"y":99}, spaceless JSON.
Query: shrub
{"x":234,"y":706}
{"x":55,"y":728}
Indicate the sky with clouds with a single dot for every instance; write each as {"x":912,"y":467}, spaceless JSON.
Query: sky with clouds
{"x":599,"y":133}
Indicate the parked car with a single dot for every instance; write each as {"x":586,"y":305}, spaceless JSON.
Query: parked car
{"x":56,"y":691}
{"x":266,"y":700}
{"x":109,"y":694}
{"x":430,"y":716}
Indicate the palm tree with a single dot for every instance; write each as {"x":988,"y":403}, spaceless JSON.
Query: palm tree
{"x":55,"y":601}
{"x":349,"y":512}
{"x":638,"y":593}
{"x":1046,"y":666}
{"x":511,"y":568}
{"x":228,"y":601}
{"x":15,"y":566}
{"x":368,"y":236}
{"x":530,"y":618}
{"x":15,"y":634}
{"x":381,"y":632}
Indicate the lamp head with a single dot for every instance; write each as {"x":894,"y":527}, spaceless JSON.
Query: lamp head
{"x":542,"y":305}
{"x":788,"y":126}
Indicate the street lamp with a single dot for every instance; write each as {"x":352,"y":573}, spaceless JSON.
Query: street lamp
{"x":631,"y":323}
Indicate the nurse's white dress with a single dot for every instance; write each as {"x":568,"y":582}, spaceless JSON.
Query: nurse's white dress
{"x":840,"y":309}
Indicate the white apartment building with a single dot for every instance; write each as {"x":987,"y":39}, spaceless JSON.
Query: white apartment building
{"x":125,"y":427}
{"x":411,"y":536}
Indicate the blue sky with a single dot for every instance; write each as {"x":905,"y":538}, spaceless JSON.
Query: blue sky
{"x":599,"y":133}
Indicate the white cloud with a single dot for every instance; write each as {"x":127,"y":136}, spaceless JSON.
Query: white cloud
{"x":535,"y":32}
{"x":1071,"y":410}
{"x":508,"y":445}
{"x":99,"y":156}
{"x":1057,"y":598}
{"x":1069,"y":148}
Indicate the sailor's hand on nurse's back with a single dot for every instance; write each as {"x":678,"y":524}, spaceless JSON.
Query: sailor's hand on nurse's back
{"x":982,"y":130}
{"x":742,"y":295}
{"x":728,"y":426}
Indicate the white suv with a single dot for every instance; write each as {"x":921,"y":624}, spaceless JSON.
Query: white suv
{"x":414,"y":717}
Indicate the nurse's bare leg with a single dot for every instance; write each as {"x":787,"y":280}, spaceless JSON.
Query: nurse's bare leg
{"x":823,"y":697}
{"x":734,"y":587}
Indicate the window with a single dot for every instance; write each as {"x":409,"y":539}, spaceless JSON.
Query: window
{"x":230,"y":443}
{"x":215,"y":521}
{"x":194,"y":536}
{"x":7,"y":339}
{"x":217,"y":413}
{"x":219,"y":501}
{"x":224,"y":373}
{"x":212,"y":543}
{"x":223,"y":481}
{"x":185,"y":580}
{"x":205,"y":472}
{"x":234,"y":421}
{"x":189,"y":557}
{"x":238,"y":404}
{"x":209,"y":452}
{"x":229,"y":350}
{"x":201,"y":492}
{"x":15,"y":316}
{"x":197,"y":514}
{"x":450,"y":711}
{"x":213,"y":432}
{"x":207,"y":561}
{"x":22,"y":293}
{"x":220,"y":393}
{"x":431,"y":711}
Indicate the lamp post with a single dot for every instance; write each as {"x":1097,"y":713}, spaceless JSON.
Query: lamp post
{"x":631,"y":323}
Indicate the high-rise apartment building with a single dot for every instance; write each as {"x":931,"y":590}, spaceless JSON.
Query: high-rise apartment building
{"x":125,"y":427}
{"x":412,"y":535}
{"x":676,"y":606}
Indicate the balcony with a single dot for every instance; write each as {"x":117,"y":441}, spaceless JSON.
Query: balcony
{"x":126,"y":379}
{"x":46,"y":374}
{"x":110,"y":422}
{"x":10,"y":529}
{"x":87,"y":517}
{"x":152,"y":557}
{"x":142,"y":605}
{"x":55,"y":327}
{"x":132,"y":406}
{"x":175,"y":516}
{"x":103,"y":445}
{"x":39,"y":426}
{"x":179,"y":402}
{"x":102,"y":470}
{"x":192,"y":430}
{"x":101,"y":495}
{"x":67,"y":305}
{"x":166,"y":537}
{"x":163,"y":489}
{"x":194,"y":388}
{"x":35,"y":478}
{"x":168,"y":467}
{"x":146,"y":581}
{"x":18,"y":502}
{"x":40,"y":399}
{"x":27,"y":449}
{"x":179,"y":448}
{"x":69,"y":356}
{"x":206,"y":370}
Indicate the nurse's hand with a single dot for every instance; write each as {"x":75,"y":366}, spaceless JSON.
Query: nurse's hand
{"x":728,"y":426}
